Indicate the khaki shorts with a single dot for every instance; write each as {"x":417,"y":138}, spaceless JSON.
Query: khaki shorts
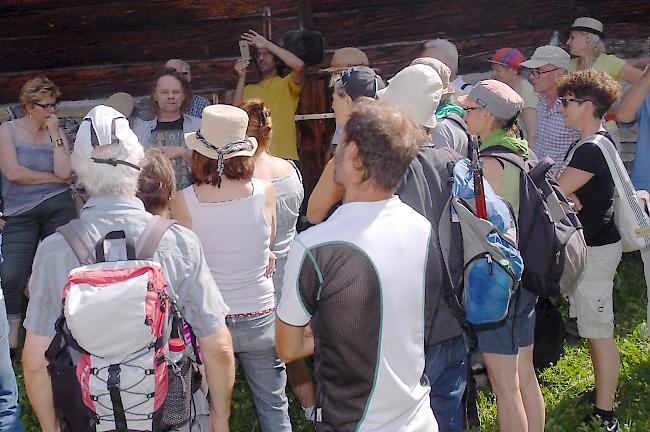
{"x":591,"y":302}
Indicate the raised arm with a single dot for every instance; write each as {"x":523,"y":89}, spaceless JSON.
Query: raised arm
{"x":17,"y":173}
{"x":61,"y":153}
{"x":633,"y":99}
{"x":240,"y":68}
{"x":296,"y":65}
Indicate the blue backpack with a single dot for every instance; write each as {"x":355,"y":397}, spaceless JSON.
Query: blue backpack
{"x":492,"y":265}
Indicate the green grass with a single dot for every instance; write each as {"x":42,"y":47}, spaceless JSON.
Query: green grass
{"x":564,"y":385}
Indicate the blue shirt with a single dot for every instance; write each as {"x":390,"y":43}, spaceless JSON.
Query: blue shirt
{"x":641,"y":166}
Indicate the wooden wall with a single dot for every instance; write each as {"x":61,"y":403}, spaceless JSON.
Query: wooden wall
{"x":92,"y":48}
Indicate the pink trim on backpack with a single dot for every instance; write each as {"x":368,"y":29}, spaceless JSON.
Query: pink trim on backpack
{"x":161,"y":383}
{"x":83,"y":377}
{"x":152,"y":304}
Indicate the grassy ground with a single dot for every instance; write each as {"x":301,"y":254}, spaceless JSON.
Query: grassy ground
{"x":565,"y":386}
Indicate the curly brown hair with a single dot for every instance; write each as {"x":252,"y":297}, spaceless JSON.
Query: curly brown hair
{"x":157,"y":181}
{"x":387,"y":140}
{"x":597,"y":87}
{"x":259,"y":123}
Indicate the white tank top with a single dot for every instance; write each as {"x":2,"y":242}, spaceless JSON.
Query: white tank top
{"x":235,"y":237}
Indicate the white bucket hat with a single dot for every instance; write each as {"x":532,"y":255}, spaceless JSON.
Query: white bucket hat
{"x":417,"y":90}
{"x":104,"y":126}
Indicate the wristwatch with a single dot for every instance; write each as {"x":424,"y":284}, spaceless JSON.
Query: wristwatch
{"x":58,"y":143}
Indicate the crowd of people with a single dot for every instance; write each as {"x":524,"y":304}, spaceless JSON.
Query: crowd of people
{"x":364,"y":291}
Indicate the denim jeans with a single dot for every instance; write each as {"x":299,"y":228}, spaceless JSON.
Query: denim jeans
{"x":446,"y":368}
{"x":20,"y":238}
{"x":9,"y":408}
{"x":253,"y":340}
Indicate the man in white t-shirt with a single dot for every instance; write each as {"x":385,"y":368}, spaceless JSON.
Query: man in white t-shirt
{"x":359,"y":279}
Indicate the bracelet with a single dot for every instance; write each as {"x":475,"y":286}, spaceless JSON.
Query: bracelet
{"x":58,"y":143}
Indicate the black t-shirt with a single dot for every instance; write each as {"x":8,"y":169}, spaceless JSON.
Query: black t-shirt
{"x":172,"y":125}
{"x":596,"y":196}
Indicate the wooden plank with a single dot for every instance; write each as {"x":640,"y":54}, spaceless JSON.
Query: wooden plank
{"x":82,"y":17}
{"x":195,"y":41}
{"x":217,"y":73}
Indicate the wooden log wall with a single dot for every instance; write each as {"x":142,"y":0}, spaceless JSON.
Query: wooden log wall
{"x":92,"y":48}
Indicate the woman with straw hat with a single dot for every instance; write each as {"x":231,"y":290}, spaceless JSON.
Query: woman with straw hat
{"x":234,"y":216}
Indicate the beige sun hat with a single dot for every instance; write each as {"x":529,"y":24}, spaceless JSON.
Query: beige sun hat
{"x":222,"y":134}
{"x":441,"y":69}
{"x":345,"y":58}
{"x":417,"y":90}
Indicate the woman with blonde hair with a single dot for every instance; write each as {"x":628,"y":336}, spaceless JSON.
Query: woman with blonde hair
{"x":35,"y":165}
{"x":588,"y":51}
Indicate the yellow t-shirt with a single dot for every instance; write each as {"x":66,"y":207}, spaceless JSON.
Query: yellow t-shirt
{"x":280,"y":95}
{"x":608,"y":63}
{"x":527,"y":93}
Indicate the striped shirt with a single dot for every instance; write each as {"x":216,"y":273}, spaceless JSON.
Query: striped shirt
{"x":553,"y":137}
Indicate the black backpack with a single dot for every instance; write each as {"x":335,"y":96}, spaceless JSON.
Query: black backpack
{"x":552,"y":243}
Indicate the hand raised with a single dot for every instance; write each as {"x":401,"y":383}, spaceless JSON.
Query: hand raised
{"x":255,"y":39}
{"x":241,"y":65}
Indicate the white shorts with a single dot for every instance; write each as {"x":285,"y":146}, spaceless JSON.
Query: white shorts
{"x":591,"y":303}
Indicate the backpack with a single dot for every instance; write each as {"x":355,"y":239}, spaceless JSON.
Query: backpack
{"x":119,"y":379}
{"x":492,"y":265}
{"x":552,"y":242}
{"x":631,"y":207}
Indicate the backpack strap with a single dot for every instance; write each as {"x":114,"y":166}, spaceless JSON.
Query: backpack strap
{"x":78,"y":237}
{"x":502,"y":153}
{"x":147,"y":243}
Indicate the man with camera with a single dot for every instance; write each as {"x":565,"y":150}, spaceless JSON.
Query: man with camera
{"x":280,"y":94}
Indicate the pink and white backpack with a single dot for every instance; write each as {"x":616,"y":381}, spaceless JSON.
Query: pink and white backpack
{"x":110,"y":350}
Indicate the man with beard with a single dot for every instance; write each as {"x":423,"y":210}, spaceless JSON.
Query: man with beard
{"x":280,"y":94}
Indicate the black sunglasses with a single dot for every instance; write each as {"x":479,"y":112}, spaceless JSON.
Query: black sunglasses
{"x":565,"y":101}
{"x":46,"y":106}
{"x":536,"y":73}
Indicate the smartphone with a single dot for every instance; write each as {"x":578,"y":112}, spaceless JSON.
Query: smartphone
{"x":244,"y":49}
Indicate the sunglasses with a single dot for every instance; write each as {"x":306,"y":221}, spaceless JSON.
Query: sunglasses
{"x":565,"y":101}
{"x":46,"y":106}
{"x":470,"y":109}
{"x":536,"y":73}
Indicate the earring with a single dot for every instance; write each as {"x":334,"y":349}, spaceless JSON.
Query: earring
{"x":30,"y":116}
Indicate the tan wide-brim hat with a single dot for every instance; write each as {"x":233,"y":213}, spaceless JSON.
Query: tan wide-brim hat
{"x":345,"y":58}
{"x":441,"y":69}
{"x":222,"y":133}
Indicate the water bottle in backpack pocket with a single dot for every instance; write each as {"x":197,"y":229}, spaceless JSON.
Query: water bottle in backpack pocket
{"x":492,"y":269}
{"x":492,"y":264}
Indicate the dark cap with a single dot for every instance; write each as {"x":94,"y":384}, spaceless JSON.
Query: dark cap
{"x":361,"y":81}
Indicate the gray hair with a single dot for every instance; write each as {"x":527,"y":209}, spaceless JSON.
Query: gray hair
{"x":104,"y":179}
{"x":448,"y":53}
{"x":171,"y":63}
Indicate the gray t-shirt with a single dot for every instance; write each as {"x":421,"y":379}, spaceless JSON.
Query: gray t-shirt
{"x":179,"y":253}
{"x":450,"y":133}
